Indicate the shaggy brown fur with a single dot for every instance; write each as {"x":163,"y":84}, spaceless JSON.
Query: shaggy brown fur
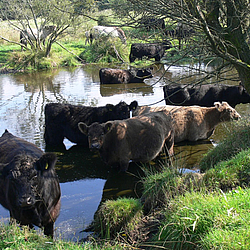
{"x":139,"y":139}
{"x":193,"y":123}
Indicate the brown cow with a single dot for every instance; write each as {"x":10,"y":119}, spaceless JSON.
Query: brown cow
{"x":139,"y":139}
{"x":193,"y":123}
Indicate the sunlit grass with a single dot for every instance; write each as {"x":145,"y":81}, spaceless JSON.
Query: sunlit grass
{"x":207,"y":220}
{"x":238,"y":139}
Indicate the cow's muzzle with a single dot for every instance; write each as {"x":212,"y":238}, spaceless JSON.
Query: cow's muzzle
{"x":95,"y":146}
{"x":26,"y":202}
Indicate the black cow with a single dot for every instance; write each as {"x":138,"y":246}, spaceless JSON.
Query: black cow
{"x":61,"y":120}
{"x":150,"y":22}
{"x":29,"y":186}
{"x":133,"y":75}
{"x":181,"y":32}
{"x":149,"y":50}
{"x":205,"y":95}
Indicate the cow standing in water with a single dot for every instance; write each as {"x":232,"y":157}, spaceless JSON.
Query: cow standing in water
{"x":205,"y":95}
{"x":29,"y":186}
{"x":193,"y":123}
{"x":139,"y":139}
{"x":61,"y":120}
{"x":116,"y":76}
{"x":33,"y":34}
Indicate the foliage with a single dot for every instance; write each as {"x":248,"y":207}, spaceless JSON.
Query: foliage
{"x":238,"y":139}
{"x":105,"y":51}
{"x":218,"y":29}
{"x":32,"y":17}
{"x":207,"y":221}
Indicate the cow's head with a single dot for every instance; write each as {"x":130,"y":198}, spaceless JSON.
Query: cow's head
{"x":227,"y":113}
{"x":121,"y":110}
{"x":95,"y":133}
{"x":144,"y":73}
{"x":25,"y":178}
{"x":244,"y":96}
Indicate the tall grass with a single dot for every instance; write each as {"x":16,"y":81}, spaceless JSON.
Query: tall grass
{"x":237,"y":140}
{"x":207,"y":221}
{"x":117,"y":217}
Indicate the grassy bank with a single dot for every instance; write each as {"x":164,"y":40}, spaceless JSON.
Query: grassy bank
{"x":187,"y":211}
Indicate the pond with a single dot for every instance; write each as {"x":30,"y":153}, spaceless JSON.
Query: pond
{"x":85,"y":181}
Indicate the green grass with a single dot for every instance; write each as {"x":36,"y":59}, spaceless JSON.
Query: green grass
{"x":117,"y":217}
{"x":207,"y":221}
{"x":227,"y":175}
{"x":238,"y":139}
{"x":14,"y":237}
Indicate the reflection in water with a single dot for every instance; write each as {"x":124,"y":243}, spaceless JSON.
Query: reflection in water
{"x":85,"y":180}
{"x":115,"y":89}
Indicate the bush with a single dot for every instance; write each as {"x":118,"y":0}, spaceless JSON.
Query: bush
{"x":105,"y":51}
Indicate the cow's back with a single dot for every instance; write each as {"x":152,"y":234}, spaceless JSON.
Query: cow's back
{"x":140,"y":138}
{"x":10,"y":146}
{"x":203,"y":95}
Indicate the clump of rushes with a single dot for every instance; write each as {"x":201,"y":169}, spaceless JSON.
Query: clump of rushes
{"x":236,"y":141}
{"x":105,"y":51}
{"x":117,"y":217}
{"x":199,"y":220}
{"x":161,"y":187}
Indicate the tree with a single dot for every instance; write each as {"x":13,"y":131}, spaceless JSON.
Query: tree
{"x":32,"y":16}
{"x":222,"y":27}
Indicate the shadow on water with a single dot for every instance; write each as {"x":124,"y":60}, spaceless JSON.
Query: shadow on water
{"x":79,"y":163}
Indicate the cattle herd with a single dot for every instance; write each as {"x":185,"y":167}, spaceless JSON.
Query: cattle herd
{"x":29,"y":186}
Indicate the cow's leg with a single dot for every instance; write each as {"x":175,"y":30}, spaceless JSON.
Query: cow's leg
{"x":49,"y":229}
{"x":23,"y":40}
{"x":54,"y":135}
{"x":91,"y":38}
{"x":124,"y":165}
{"x":157,"y":58}
{"x":169,"y":143}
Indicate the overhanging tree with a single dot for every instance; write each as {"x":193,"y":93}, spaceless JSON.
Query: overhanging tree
{"x":29,"y":15}
{"x":222,"y":27}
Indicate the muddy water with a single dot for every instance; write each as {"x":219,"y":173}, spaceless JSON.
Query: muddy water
{"x":85,"y":181}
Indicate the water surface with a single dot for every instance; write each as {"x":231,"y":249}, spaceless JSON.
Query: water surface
{"x":85,"y":181}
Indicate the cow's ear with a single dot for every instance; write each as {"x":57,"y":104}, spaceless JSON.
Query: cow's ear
{"x":133,"y":105}
{"x":84,"y":128}
{"x":46,"y":162}
{"x":110,"y":107}
{"x":217,"y":105}
{"x":241,"y":88}
{"x":107,"y":127}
